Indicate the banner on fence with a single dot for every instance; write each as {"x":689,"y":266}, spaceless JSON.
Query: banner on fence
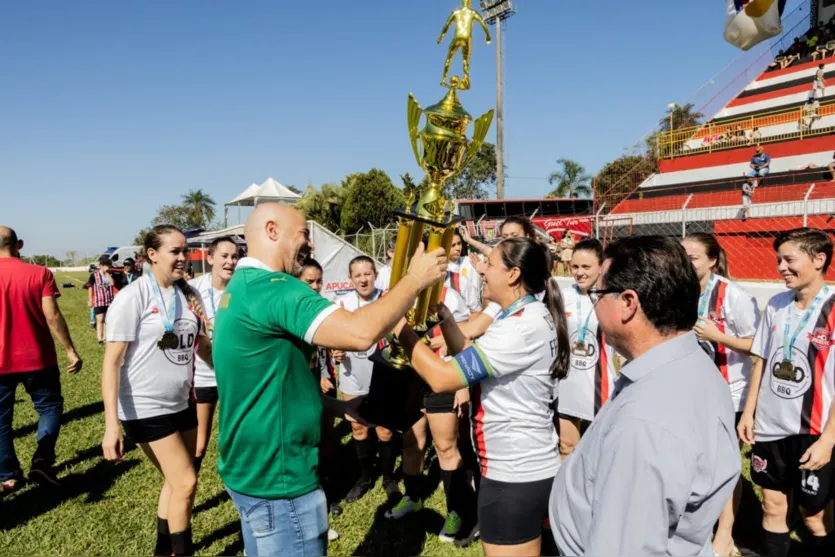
{"x":334,"y":254}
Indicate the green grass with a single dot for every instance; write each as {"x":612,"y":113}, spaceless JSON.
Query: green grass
{"x":108,"y":508}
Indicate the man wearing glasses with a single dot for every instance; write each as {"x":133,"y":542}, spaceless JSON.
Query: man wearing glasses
{"x":661,"y":459}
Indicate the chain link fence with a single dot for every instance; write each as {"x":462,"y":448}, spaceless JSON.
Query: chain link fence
{"x":374,"y":242}
{"x":744,"y":223}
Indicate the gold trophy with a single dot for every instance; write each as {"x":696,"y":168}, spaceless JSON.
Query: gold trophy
{"x":442,"y":149}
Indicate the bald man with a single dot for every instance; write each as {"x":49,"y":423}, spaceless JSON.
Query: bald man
{"x":28,"y":312}
{"x":270,"y":406}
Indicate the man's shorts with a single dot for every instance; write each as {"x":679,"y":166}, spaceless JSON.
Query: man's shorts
{"x":774,"y":465}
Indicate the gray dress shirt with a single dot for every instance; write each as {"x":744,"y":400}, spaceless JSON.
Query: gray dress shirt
{"x":653,"y":472}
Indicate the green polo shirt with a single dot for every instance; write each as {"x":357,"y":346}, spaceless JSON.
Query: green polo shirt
{"x":270,"y":406}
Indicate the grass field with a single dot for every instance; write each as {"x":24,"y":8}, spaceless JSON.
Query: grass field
{"x":107,"y":508}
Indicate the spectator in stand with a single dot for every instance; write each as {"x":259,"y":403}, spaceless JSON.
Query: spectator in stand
{"x":28,"y":312}
{"x":810,"y":113}
{"x":760,"y":166}
{"x":747,"y":196}
{"x":100,"y":287}
{"x":754,"y":136}
{"x":819,"y":87}
{"x":566,"y":252}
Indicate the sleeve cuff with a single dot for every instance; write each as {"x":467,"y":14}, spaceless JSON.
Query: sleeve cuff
{"x":314,"y":326}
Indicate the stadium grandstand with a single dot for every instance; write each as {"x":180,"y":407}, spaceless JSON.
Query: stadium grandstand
{"x":697,"y":178}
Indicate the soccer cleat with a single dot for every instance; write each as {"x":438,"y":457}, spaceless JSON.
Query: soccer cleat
{"x":390,"y":487}
{"x":452,"y":525}
{"x":357,"y":492}
{"x":332,"y":535}
{"x":474,"y":534}
{"x":403,"y":507}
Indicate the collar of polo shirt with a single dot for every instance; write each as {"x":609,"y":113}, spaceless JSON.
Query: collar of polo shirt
{"x":660,"y":355}
{"x":255,"y":263}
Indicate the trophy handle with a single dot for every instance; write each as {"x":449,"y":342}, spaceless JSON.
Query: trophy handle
{"x":413,"y":113}
{"x":480,"y":129}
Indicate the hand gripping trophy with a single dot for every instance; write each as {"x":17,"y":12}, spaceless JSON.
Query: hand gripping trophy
{"x":443,"y":150}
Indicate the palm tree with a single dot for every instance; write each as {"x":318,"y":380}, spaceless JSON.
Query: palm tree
{"x":683,"y":117}
{"x":325,"y":206}
{"x":572,"y":180}
{"x":201,"y":207}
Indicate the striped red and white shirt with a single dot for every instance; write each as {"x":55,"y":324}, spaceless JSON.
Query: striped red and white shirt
{"x":735,"y":313}
{"x":800,"y":405}
{"x":591,"y":377}
{"x":512,"y":419}
{"x":102,"y":289}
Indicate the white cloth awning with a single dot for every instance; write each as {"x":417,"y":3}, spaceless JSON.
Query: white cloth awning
{"x":270,"y":190}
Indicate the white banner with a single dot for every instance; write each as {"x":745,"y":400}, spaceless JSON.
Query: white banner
{"x":334,"y":254}
{"x":749,"y":22}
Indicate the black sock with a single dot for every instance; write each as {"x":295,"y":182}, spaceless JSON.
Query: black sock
{"x":181,"y":543}
{"x":365,"y":456}
{"x":819,"y":545}
{"x":413,"y":486}
{"x":388,"y":457}
{"x":198,"y":462}
{"x":461,"y":497}
{"x":163,"y":546}
{"x":775,"y":545}
{"x":446,"y":479}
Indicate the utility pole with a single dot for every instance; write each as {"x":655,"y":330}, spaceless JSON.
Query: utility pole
{"x":496,"y":11}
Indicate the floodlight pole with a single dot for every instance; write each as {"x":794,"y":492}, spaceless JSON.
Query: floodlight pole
{"x":495,"y":12}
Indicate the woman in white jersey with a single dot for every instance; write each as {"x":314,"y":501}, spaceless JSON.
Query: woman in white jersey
{"x":462,"y":275}
{"x":728,"y":319}
{"x":442,"y":412}
{"x":355,"y":370}
{"x":788,"y":415}
{"x":156,"y":325}
{"x":223,"y":257}
{"x":590,"y":381}
{"x":512,"y":368}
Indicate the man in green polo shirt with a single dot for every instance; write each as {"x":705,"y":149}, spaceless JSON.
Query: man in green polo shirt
{"x":270,"y":405}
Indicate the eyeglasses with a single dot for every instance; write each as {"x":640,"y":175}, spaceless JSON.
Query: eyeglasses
{"x":597,"y":293}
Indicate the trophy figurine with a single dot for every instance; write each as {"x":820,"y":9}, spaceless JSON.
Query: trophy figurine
{"x":443,"y":150}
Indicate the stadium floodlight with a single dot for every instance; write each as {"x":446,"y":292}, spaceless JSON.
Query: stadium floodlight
{"x":496,"y":10}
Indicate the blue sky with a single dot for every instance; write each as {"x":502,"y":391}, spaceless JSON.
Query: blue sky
{"x":112,"y":109}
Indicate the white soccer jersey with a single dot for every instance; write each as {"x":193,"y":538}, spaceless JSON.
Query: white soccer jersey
{"x":591,"y":377}
{"x":383,"y":278}
{"x":204,"y":376}
{"x":796,"y":401}
{"x":735,"y":313}
{"x":355,"y":371}
{"x":152,"y":382}
{"x":509,"y":371}
{"x":493,"y":309}
{"x":469,"y":282}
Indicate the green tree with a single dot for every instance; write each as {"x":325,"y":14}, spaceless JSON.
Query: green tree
{"x":409,"y":185}
{"x":294,"y":189}
{"x":139,"y":239}
{"x":571,"y":181}
{"x":180,"y":216}
{"x":478,"y":179}
{"x":200,"y":207}
{"x":682,"y":117}
{"x":323,"y":206}
{"x":45,"y":260}
{"x":370,"y":198}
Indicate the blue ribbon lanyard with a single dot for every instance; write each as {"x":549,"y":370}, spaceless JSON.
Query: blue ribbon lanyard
{"x":212,"y":302}
{"x":788,"y":344}
{"x":518,"y":304}
{"x":704,"y":297}
{"x":167,"y":314}
{"x":581,"y":331}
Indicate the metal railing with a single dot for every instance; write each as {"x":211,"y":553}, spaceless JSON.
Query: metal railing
{"x":736,"y":132}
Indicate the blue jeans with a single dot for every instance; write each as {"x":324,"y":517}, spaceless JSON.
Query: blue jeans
{"x":44,"y":388}
{"x":285,"y":527}
{"x":761,"y":173}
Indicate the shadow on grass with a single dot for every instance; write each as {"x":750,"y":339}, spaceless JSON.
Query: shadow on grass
{"x":89,"y":453}
{"x":401,"y":538}
{"x":75,"y":414}
{"x":234,"y":548}
{"x":211,"y":503}
{"x":232,"y":528}
{"x":37,"y":500}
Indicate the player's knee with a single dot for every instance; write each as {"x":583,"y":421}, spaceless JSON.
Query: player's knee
{"x":447,"y":450}
{"x":816,"y":522}
{"x":775,"y":506}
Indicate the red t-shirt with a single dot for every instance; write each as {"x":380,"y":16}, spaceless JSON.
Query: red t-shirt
{"x":25,"y":341}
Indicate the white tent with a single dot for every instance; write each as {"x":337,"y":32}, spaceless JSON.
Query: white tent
{"x":270,"y":190}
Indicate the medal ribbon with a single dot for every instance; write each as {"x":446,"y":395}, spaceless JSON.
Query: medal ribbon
{"x":167,"y":314}
{"x":788,"y":344}
{"x":705,"y":296}
{"x":518,"y":304}
{"x":581,"y":331}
